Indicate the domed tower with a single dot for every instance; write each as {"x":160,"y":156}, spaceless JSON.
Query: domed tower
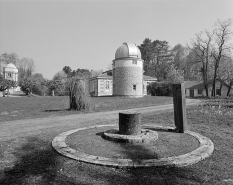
{"x":127,"y":71}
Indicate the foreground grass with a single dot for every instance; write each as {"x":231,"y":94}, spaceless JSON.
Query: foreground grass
{"x":15,"y":108}
{"x":30,"y":159}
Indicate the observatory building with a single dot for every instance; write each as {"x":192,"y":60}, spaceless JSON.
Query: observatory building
{"x":127,"y":71}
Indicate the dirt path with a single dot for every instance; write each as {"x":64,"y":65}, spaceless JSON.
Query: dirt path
{"x":20,"y":127}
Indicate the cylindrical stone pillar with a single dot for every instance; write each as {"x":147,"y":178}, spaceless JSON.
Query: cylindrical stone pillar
{"x":129,"y":123}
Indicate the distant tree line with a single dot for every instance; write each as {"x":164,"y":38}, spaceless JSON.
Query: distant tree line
{"x":209,"y":56}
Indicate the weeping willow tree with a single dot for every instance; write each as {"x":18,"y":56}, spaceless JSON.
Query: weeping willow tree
{"x":79,"y":95}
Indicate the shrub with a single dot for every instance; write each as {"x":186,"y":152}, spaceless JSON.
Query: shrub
{"x":79,"y":95}
{"x":160,"y":89}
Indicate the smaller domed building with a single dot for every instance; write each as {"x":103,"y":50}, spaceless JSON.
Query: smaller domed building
{"x":9,"y":72}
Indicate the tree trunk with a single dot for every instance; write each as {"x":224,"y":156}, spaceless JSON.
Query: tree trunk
{"x":204,"y":73}
{"x":206,"y":90}
{"x":214,"y":80}
{"x":53,"y":92}
{"x":8,"y":92}
{"x":229,"y":89}
{"x":4,"y":94}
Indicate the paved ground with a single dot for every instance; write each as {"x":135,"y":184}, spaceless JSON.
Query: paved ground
{"x":21,"y":127}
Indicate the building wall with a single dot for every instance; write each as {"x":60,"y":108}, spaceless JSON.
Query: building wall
{"x":104,"y":87}
{"x":128,"y":78}
{"x":98,"y":87}
{"x":9,"y":74}
{"x":223,"y":92}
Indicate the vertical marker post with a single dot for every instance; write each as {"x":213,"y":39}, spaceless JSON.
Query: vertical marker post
{"x":179,"y":102}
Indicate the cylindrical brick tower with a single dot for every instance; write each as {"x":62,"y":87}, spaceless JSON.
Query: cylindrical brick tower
{"x":127,"y":71}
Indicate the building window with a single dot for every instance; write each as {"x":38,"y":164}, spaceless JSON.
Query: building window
{"x":135,"y":62}
{"x":185,"y":91}
{"x":9,"y":74}
{"x":113,"y":63}
{"x":107,"y":84}
{"x":134,"y":87}
{"x":199,"y":91}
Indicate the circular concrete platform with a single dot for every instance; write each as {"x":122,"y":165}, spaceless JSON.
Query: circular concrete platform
{"x":204,"y":150}
{"x":145,"y":136}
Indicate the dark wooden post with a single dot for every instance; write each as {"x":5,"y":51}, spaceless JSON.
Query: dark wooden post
{"x":129,"y":123}
{"x":179,"y":102}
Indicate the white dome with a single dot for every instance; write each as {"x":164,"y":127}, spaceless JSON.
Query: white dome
{"x":11,"y":68}
{"x":10,"y":65}
{"x":128,"y":50}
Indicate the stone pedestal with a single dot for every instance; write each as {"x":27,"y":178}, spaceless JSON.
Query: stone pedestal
{"x":129,"y":123}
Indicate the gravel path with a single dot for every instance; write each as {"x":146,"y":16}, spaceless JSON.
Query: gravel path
{"x":19,"y":127}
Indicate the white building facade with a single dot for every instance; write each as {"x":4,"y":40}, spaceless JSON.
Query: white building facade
{"x":9,"y":72}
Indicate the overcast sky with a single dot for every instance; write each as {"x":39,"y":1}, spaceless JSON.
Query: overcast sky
{"x":86,"y":34}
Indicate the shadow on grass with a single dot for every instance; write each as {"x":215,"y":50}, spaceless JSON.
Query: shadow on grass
{"x":38,"y":163}
{"x":153,"y":175}
{"x":160,"y":175}
{"x":57,"y":110}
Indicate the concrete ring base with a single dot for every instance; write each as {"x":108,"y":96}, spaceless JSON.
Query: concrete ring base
{"x":205,"y":149}
{"x":145,"y":136}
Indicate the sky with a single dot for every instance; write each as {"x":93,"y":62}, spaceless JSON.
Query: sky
{"x":86,"y":34}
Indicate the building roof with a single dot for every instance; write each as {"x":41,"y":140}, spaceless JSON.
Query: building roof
{"x":189,"y":84}
{"x":108,"y":75}
{"x":128,"y":50}
{"x":199,"y":85}
{"x":10,"y":65}
{"x":149,"y":78}
{"x":10,"y":68}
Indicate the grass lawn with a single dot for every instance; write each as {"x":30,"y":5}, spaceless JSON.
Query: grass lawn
{"x":15,"y":108}
{"x":29,"y":159}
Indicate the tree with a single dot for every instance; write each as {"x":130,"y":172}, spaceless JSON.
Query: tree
{"x":6,"y":84}
{"x":157,"y":57}
{"x":201,"y":47}
{"x":96,"y":72}
{"x":64,"y":88}
{"x":60,"y":75}
{"x":161,"y":52}
{"x":175,"y":75}
{"x":79,"y":95}
{"x":53,"y":85}
{"x":26,"y":67}
{"x":180,"y":60}
{"x":67,"y":71}
{"x":83,"y":73}
{"x":39,"y":89}
{"x":225,"y":73}
{"x":10,"y":58}
{"x":223,"y":34}
{"x":27,"y":85}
